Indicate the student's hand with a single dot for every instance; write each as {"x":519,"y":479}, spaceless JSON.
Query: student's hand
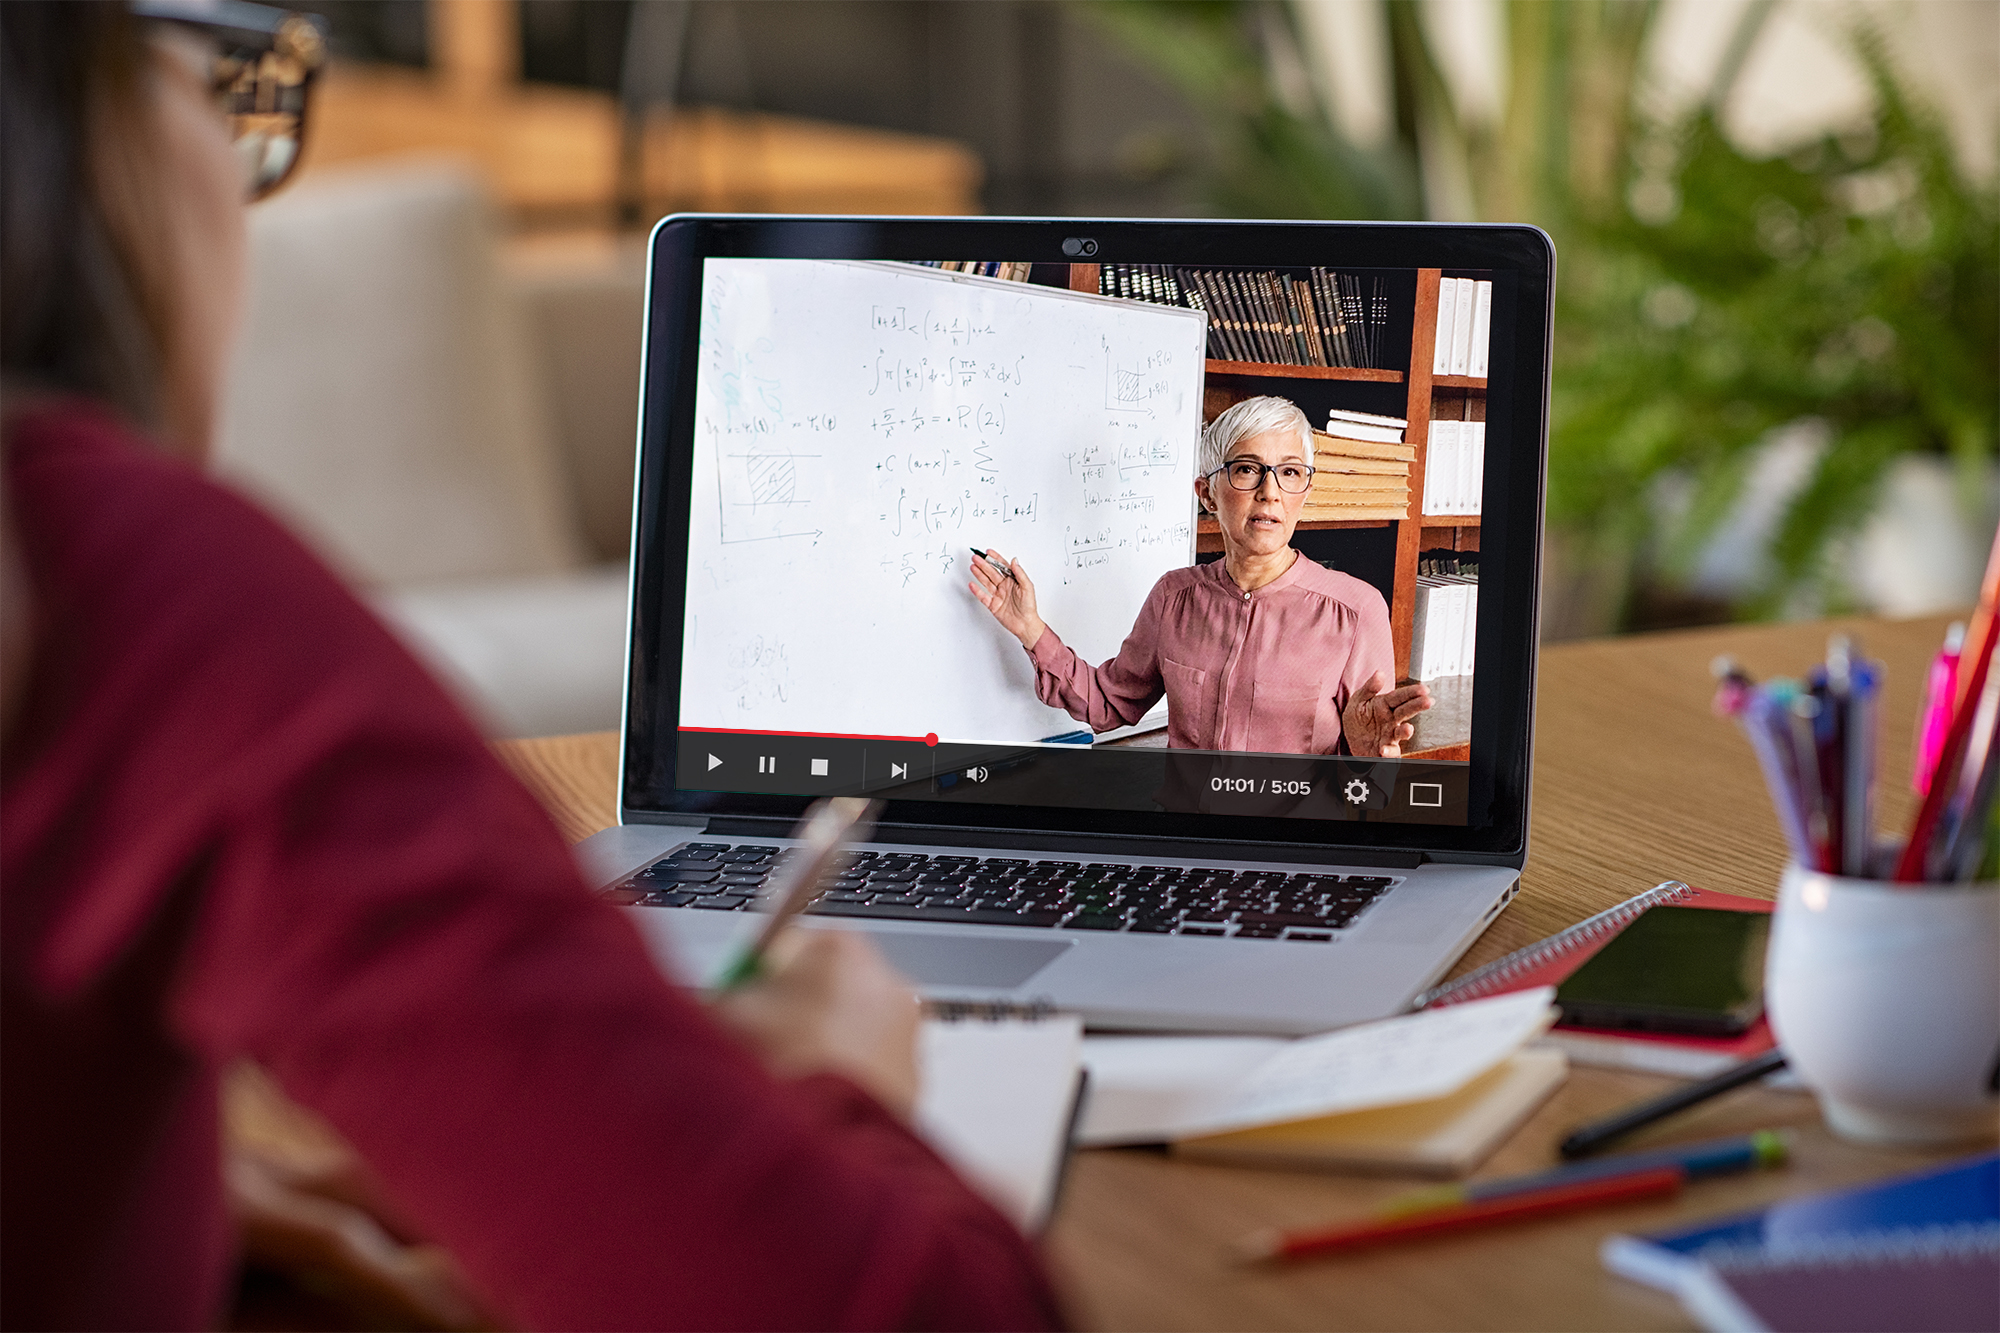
{"x":1377,"y":718}
{"x":828,"y":1002}
{"x":1012,"y":601}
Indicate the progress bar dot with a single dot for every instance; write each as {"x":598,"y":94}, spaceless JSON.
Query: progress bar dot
{"x":930,"y":738}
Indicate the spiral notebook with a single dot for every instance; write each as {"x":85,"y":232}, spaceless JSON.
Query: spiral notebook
{"x":1919,"y":1251}
{"x":1924,"y":1284}
{"x":1001,"y":1089}
{"x":1547,"y":962}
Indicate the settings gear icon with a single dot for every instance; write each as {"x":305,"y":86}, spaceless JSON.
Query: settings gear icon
{"x":1357,"y":792}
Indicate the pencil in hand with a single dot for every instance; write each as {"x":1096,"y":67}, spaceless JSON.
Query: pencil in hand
{"x":827,"y":826}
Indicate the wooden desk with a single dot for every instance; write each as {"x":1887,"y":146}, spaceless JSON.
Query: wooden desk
{"x":1634,"y":782}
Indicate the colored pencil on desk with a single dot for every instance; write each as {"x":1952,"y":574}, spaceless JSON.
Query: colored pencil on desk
{"x":1590,"y":1193}
{"x":1587,"y":1139}
{"x":1579,"y":1185}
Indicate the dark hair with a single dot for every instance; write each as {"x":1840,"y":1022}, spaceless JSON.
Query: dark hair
{"x":83,"y":298}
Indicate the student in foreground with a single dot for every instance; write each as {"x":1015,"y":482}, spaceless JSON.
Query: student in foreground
{"x":237,"y":819}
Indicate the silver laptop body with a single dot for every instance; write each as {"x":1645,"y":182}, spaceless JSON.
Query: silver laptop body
{"x":1194,"y":899}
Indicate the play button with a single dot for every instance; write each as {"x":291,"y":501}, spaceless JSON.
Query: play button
{"x":713,"y":763}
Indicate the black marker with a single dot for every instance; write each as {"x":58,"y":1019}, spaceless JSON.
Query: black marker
{"x":1589,"y":1138}
{"x":995,"y":563}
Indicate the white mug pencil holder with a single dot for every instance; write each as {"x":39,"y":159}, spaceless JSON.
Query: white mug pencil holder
{"x":1886,"y":999}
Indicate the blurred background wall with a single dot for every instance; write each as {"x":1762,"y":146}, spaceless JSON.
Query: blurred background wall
{"x":1778,"y":332}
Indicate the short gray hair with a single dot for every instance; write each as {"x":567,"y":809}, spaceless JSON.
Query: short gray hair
{"x":1252,"y":416}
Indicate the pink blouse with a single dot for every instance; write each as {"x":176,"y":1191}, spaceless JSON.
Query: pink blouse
{"x":1268,"y":671}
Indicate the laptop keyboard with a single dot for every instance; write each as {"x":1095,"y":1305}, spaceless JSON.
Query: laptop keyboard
{"x":1021,"y":891}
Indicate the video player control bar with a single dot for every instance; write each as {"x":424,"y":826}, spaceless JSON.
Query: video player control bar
{"x":1107,"y":777}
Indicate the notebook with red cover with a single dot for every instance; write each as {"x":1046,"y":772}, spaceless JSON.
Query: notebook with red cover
{"x":1547,"y":962}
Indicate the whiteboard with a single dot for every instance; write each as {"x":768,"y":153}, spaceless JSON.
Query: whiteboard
{"x":859,"y":427}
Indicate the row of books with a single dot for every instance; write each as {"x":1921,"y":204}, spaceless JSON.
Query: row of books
{"x":1464,"y":327}
{"x":1322,"y":318}
{"x":1010,"y":270}
{"x":1444,"y":621}
{"x":1455,"y":467}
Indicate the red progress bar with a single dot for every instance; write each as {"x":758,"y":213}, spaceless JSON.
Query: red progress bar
{"x":931,"y":739}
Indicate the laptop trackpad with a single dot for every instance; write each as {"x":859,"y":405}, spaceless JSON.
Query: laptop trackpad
{"x":949,"y":960}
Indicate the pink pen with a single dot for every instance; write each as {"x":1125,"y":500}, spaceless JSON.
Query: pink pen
{"x":1940,"y":691}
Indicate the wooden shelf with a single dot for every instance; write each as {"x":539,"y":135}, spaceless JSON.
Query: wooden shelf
{"x":1274,"y":369}
{"x":1208,"y":537}
{"x":1451,"y":520}
{"x":1461,"y":751}
{"x":1206,"y":527}
{"x":1459,"y":382}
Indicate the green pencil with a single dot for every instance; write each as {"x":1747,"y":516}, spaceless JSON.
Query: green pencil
{"x":827,"y":825}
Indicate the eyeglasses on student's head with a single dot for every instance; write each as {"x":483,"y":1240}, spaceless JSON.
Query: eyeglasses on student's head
{"x":262,"y":69}
{"x":1247,"y":474}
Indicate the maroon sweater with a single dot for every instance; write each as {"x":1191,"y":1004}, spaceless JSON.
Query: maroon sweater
{"x":238,"y":819}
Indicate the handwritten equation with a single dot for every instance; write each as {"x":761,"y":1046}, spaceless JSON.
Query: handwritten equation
{"x":891,"y":374}
{"x":954,"y":330}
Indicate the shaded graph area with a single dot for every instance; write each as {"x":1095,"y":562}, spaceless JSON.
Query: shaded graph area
{"x":771,"y":480}
{"x":765,"y":497}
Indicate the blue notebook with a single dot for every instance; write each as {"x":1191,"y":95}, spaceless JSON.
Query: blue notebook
{"x":1949,"y":1210}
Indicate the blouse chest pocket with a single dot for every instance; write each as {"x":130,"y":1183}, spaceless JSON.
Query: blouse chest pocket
{"x":1190,"y":705}
{"x":1285,"y":717}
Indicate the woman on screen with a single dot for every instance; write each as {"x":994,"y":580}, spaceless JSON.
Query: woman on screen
{"x":1261,"y":650}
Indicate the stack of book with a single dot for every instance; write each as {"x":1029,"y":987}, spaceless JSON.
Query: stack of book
{"x":1444,"y":619}
{"x":1464,"y":327}
{"x":1361,"y":468}
{"x":1300,"y":317}
{"x":1454,"y":467}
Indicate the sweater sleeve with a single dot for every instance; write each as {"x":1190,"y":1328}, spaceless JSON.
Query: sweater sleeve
{"x":1116,"y":694}
{"x":389,"y":922}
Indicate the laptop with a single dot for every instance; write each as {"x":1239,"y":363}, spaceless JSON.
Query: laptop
{"x":842,"y":417}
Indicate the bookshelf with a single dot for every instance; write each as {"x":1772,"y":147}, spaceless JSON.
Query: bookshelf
{"x":1269,"y":370}
{"x":1428,"y":397}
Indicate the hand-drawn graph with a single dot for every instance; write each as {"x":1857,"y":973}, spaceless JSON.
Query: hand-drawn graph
{"x":760,"y":497}
{"x":1139,"y":381}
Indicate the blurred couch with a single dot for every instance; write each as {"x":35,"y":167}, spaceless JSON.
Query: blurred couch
{"x":452,"y":425}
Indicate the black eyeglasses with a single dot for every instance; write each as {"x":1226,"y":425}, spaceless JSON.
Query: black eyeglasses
{"x":1247,"y":474}
{"x":263,"y":68}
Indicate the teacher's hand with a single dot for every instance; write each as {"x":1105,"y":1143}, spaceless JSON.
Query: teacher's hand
{"x":1377,"y":718}
{"x":1011,"y":600}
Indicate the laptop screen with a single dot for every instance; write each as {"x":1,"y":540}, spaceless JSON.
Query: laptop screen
{"x":1119,"y":540}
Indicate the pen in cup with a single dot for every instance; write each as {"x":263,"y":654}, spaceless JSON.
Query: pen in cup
{"x":1940,"y":691}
